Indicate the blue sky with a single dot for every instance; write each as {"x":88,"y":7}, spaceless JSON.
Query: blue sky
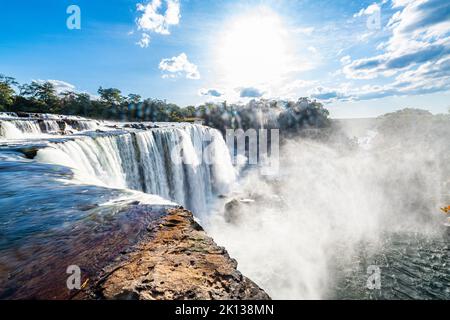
{"x":361,"y":58}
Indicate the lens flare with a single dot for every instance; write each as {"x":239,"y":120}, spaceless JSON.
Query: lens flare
{"x":254,"y":49}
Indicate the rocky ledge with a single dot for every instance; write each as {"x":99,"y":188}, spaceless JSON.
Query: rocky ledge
{"x":176,"y":260}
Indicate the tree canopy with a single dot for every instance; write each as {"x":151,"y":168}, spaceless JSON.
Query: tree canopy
{"x":42,"y":97}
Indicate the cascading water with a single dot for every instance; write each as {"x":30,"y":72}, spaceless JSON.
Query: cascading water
{"x":77,"y":198}
{"x":19,"y":129}
{"x":9,"y":131}
{"x":12,"y":127}
{"x":311,"y":232}
{"x":335,"y":209}
{"x":8,"y":115}
{"x":188,"y":164}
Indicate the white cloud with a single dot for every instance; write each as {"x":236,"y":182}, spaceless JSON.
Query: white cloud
{"x":368,"y":11}
{"x":304,"y":30}
{"x":346,"y":60}
{"x":430,"y":77}
{"x":295,"y":89}
{"x":301,"y":84}
{"x":400,"y":3}
{"x":419,"y":41}
{"x":60,"y":86}
{"x":145,"y":41}
{"x":179,"y":66}
{"x":157,"y":16}
{"x":216,"y":93}
{"x":329,"y":94}
{"x":155,"y":19}
{"x":250,"y":92}
{"x":63,"y":86}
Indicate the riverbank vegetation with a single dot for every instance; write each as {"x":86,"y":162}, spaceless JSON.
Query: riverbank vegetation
{"x":111,"y":104}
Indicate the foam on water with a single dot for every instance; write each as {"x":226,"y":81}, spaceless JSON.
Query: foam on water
{"x":169,"y":162}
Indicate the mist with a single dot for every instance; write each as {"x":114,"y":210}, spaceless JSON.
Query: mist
{"x":299,"y":229}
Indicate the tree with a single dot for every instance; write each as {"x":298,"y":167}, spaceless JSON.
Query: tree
{"x":133,"y":107}
{"x":174,"y":112}
{"x":292,"y":116}
{"x":303,"y":114}
{"x":6,"y":97}
{"x":76,"y":103}
{"x":83,"y":103}
{"x":110,"y":96}
{"x":188,"y":112}
{"x":111,"y":104}
{"x":133,"y":98}
{"x":43,"y":94}
{"x":6,"y":92}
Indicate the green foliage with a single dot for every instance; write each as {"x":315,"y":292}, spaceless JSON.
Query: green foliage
{"x":291,"y":116}
{"x":6,"y":96}
{"x":7,"y":92}
{"x":42,"y":97}
{"x":110,"y":96}
{"x":133,"y":98}
{"x":188,"y":112}
{"x":304,"y":114}
{"x":76,"y":104}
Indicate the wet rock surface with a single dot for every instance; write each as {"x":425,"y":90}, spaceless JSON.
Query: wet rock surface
{"x":36,"y":266}
{"x":130,"y":251}
{"x":179,"y":261}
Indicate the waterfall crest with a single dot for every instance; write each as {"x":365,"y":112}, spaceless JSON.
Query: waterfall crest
{"x":188,"y":164}
{"x":13,"y":127}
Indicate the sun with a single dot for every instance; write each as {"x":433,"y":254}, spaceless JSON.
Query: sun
{"x":253,"y":49}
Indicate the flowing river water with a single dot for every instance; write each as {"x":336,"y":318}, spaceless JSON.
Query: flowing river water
{"x":311,"y":233}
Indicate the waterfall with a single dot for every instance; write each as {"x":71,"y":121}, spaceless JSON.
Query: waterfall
{"x":18,"y":128}
{"x":9,"y":131}
{"x":8,"y":115}
{"x":188,"y":164}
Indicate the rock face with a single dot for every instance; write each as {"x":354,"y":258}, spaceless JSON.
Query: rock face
{"x":177,"y":261}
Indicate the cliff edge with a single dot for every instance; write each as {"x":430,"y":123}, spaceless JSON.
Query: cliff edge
{"x":176,"y":260}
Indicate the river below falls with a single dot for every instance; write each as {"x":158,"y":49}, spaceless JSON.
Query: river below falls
{"x":48,"y":221}
{"x":411,"y":266}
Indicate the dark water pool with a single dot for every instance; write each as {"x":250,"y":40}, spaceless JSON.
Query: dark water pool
{"x":412,"y":266}
{"x":48,"y":223}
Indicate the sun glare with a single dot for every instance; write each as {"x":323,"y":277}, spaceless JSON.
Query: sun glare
{"x":253,"y":49}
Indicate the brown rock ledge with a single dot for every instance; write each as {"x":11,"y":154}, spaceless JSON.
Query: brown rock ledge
{"x":177,"y":260}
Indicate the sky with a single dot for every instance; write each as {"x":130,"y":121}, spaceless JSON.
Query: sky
{"x":360,"y":58}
